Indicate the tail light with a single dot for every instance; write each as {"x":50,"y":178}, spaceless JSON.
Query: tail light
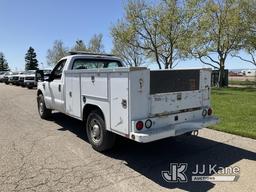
{"x":210,"y":111}
{"x":139,"y":125}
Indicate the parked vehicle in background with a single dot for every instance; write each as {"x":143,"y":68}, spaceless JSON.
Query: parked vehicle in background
{"x":7,"y":77}
{"x":134,"y":102}
{"x":15,"y":79}
{"x":2,"y":73}
{"x":30,"y":79}
{"x":21,"y":79}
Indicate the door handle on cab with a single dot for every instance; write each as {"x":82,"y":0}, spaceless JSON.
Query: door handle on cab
{"x":59,"y":87}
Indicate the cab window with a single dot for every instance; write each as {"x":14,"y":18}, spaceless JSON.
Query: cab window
{"x":57,"y":71}
{"x":94,"y":64}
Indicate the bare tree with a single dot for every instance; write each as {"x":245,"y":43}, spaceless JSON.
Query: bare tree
{"x":79,"y":46}
{"x":95,"y":44}
{"x":131,"y":55}
{"x":160,"y":29}
{"x":56,"y":53}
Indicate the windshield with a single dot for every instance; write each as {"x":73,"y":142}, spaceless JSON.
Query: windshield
{"x":30,"y":72}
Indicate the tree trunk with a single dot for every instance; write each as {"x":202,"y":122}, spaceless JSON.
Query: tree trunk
{"x":168,"y":62}
{"x":221,"y":80}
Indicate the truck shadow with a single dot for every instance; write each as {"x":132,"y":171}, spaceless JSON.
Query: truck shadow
{"x":153,"y":158}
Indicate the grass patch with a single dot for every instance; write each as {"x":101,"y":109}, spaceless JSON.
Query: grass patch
{"x":236,"y":108}
{"x":245,"y":83}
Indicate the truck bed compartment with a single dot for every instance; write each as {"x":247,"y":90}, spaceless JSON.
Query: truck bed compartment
{"x":174,"y":81}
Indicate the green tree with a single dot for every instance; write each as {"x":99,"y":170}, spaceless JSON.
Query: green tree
{"x":3,"y":63}
{"x":31,"y":62}
{"x":131,"y":55}
{"x":220,"y":31}
{"x":159,"y":29}
{"x":56,"y":52}
{"x":249,"y":42}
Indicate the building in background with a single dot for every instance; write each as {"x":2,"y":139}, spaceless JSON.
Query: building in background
{"x":249,"y":72}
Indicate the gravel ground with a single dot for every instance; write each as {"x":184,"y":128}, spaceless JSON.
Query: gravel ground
{"x":54,"y":155}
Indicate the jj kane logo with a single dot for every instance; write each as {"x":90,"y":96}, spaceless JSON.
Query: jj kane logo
{"x":176,"y":173}
{"x":213,"y":173}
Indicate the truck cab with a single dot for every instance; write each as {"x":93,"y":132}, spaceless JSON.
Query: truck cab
{"x":133,"y":102}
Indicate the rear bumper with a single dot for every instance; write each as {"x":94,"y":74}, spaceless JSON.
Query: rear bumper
{"x":173,"y":130}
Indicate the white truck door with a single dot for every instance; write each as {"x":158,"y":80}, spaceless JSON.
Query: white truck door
{"x":73,"y":94}
{"x":56,"y":87}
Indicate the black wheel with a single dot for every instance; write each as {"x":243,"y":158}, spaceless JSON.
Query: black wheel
{"x":98,"y":136}
{"x":42,"y":110}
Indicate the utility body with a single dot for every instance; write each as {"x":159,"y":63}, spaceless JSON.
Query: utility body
{"x":133,"y":102}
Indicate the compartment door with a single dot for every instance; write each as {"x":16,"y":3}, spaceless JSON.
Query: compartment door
{"x":73,"y":92}
{"x":119,"y":102}
{"x":68,"y":84}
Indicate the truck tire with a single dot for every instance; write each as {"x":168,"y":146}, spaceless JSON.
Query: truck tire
{"x":42,"y":110}
{"x":98,"y":136}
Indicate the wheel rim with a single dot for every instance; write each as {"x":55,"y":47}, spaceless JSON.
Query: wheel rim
{"x":41,"y":107}
{"x":95,"y":130}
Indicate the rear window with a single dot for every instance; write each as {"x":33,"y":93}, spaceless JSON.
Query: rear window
{"x":94,"y":64}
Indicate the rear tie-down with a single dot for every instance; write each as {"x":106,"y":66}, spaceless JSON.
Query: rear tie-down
{"x":195,"y":133}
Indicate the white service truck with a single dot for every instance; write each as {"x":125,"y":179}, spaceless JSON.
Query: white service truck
{"x":133,"y":102}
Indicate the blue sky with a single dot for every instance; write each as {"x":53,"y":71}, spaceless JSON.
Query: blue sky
{"x":38,"y":23}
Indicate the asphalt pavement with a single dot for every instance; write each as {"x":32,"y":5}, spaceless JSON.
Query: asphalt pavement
{"x":54,"y":155}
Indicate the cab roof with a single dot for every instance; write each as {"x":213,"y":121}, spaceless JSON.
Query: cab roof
{"x":90,"y":55}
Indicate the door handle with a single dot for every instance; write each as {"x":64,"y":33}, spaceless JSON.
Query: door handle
{"x":92,"y":79}
{"x":59,"y":87}
{"x":70,"y":94}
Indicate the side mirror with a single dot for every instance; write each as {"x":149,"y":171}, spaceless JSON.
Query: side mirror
{"x":48,"y":77}
{"x":39,"y":75}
